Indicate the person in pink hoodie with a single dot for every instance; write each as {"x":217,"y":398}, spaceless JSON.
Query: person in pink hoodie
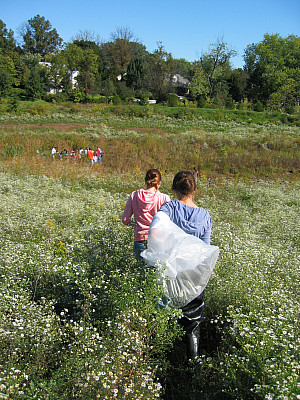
{"x":144,"y":204}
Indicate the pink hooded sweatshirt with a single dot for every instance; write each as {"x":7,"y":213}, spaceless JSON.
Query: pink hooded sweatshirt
{"x":143,"y":204}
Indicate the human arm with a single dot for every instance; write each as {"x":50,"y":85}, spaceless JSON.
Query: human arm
{"x":206,"y":235}
{"x":128,"y":211}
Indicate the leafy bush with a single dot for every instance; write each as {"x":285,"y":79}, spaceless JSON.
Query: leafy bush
{"x":37,"y":109}
{"x":116,"y":99}
{"x":258,"y":107}
{"x":173,"y":100}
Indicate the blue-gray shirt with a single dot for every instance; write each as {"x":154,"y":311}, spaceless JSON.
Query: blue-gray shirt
{"x":194,"y":221}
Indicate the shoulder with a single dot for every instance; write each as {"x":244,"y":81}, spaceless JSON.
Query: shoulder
{"x":205,"y":217}
{"x":168,"y":206}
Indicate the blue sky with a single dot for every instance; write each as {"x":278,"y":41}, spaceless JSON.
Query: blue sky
{"x":185,"y":28}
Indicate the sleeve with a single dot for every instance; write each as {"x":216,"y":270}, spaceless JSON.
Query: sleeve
{"x":128,"y":211}
{"x":207,"y":233}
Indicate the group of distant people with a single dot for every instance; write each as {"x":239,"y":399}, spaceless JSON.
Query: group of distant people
{"x":94,"y":156}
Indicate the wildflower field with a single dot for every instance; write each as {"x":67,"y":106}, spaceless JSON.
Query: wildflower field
{"x":79,"y":316}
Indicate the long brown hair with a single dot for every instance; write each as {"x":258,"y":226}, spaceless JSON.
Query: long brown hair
{"x":184,"y":183}
{"x":153,"y":178}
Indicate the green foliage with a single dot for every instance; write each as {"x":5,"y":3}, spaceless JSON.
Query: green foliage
{"x":237,"y":84}
{"x":258,"y":107}
{"x":230,"y":104}
{"x":173,"y":100}
{"x":159,"y":72}
{"x":116,"y":100}
{"x":144,"y":100}
{"x":39,"y":38}
{"x":270,"y":75}
{"x":273,"y":68}
{"x":135,"y":73}
{"x":7,"y":41}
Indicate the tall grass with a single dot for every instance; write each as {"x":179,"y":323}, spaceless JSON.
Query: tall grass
{"x":130,"y":143}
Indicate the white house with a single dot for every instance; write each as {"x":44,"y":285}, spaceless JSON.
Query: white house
{"x":51,"y":89}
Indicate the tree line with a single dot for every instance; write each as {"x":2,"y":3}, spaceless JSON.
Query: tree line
{"x":123,"y":68}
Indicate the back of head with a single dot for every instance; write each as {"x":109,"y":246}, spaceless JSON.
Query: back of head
{"x":184,"y":183}
{"x":153,"y":178}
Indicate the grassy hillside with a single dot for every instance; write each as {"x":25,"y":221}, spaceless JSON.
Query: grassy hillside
{"x":217,"y":148}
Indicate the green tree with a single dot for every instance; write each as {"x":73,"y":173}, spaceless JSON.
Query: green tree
{"x":120,"y":51}
{"x":215,"y":66}
{"x":237,"y":83}
{"x":87,"y":70}
{"x":9,"y":61}
{"x":273,"y":68}
{"x":7,"y":41}
{"x":159,"y":73}
{"x":8,"y":74}
{"x":183,"y":67}
{"x":83,"y":60}
{"x":33,"y":76}
{"x":93,"y":78}
{"x":58,"y":73}
{"x":39,"y":37}
{"x":71,"y":58}
{"x":109,"y":88}
{"x":199,"y":88}
{"x":135,"y":73}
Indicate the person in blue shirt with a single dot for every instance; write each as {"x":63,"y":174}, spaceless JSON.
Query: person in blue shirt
{"x":195,"y":221}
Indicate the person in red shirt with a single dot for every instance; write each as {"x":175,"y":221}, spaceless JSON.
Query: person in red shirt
{"x":98,"y":154}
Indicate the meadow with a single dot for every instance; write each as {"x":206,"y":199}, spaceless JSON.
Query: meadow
{"x":79,"y":316}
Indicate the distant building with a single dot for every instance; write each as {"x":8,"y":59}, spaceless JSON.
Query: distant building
{"x":180,"y":84}
{"x":52,"y":88}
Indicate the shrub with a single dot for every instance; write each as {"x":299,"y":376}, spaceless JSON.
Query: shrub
{"x":230,"y":103}
{"x":201,"y":102}
{"x":144,"y":100}
{"x":173,"y":100}
{"x":116,"y":100}
{"x":37,"y":109}
{"x":258,"y":107}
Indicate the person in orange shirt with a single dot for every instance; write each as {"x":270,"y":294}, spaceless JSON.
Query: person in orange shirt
{"x":90,"y":155}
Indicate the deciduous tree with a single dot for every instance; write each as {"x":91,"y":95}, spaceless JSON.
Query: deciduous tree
{"x":273,"y":66}
{"x":7,"y":41}
{"x":215,"y":65}
{"x":160,"y":70}
{"x":39,"y":37}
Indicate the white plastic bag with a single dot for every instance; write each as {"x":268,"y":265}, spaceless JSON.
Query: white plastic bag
{"x":184,"y":261}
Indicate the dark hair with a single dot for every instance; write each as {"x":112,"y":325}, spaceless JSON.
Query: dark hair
{"x":153,"y":178}
{"x":184,"y":183}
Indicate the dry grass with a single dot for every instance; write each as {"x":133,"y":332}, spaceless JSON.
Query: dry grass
{"x":140,"y":147}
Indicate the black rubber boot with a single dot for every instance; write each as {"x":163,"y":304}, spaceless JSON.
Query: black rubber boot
{"x":192,"y":339}
{"x":192,"y":317}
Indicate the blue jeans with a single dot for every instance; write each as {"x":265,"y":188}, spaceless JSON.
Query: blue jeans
{"x":138,"y":247}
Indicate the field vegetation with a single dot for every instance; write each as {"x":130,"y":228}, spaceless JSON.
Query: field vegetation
{"x":79,"y":316}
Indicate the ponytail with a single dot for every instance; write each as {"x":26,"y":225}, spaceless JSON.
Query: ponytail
{"x":153,"y":178}
{"x":184,"y":183}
